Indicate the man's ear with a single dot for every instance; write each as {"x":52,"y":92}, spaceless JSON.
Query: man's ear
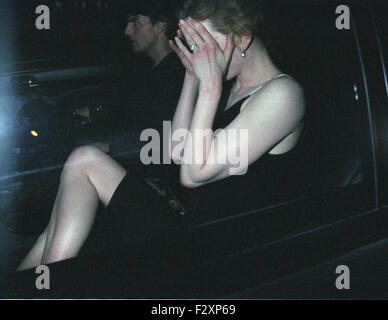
{"x":160,"y":27}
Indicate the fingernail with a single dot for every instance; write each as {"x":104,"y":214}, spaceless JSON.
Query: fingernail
{"x":181,"y":21}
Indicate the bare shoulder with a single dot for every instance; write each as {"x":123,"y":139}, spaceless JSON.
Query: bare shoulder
{"x":283,"y":94}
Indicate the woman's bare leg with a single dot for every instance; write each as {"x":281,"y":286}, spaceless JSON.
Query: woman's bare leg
{"x":34,"y":257}
{"x":89,"y":175}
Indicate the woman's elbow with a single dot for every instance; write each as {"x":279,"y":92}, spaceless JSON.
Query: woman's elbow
{"x":189,"y":180}
{"x":176,"y":159}
{"x":186,"y":182}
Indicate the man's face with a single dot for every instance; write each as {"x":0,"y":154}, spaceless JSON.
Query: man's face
{"x":141,"y":32}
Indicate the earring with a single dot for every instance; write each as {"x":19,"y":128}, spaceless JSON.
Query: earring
{"x":243,"y":53}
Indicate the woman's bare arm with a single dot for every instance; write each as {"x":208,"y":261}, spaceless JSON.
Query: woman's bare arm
{"x":184,"y":111}
{"x":269,"y":117}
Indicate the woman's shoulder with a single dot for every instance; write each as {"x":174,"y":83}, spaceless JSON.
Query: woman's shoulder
{"x":279,"y":93}
{"x":283,"y":86}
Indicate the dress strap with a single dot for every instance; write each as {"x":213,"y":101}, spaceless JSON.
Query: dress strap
{"x":257,"y":89}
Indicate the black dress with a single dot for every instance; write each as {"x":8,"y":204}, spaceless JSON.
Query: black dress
{"x":146,"y":206}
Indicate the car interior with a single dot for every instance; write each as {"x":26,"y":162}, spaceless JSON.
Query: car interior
{"x":87,"y":63}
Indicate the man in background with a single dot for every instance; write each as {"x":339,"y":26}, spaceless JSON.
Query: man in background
{"x":152,"y":95}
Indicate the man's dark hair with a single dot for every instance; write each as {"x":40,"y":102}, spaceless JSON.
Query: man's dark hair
{"x":158,"y":11}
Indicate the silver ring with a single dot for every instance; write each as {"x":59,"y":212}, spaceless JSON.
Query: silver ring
{"x":192,"y":47}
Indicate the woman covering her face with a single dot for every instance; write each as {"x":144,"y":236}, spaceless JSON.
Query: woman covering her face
{"x":227,"y":154}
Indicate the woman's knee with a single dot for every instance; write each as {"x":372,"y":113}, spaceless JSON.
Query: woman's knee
{"x":81,"y":158}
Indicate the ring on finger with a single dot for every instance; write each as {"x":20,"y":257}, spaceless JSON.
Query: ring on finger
{"x":192,"y":47}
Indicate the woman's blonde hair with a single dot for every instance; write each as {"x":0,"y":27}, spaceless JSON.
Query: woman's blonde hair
{"x":240,"y":17}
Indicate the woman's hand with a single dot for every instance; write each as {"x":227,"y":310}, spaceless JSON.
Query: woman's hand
{"x":207,"y":61}
{"x":176,"y":48}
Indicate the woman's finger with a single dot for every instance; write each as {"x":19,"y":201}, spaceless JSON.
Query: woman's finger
{"x":179,"y":33}
{"x":188,"y":41}
{"x":181,"y":55}
{"x":173,"y":46}
{"x":176,"y":49}
{"x":202,"y":31}
{"x":190,"y":33}
{"x":183,"y":48}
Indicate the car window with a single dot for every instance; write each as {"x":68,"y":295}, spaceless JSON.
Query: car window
{"x":81,"y":33}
